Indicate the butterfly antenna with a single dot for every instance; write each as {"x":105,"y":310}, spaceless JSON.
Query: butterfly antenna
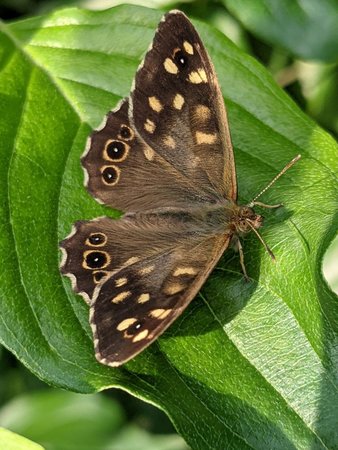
{"x":290,"y":164}
{"x":267,"y":248}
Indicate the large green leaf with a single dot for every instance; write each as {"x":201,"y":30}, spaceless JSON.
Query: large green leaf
{"x":248,"y":365}
{"x":307,"y":29}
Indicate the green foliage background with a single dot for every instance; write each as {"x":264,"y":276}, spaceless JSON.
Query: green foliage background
{"x":248,"y":365}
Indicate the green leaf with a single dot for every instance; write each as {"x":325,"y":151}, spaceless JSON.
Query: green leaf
{"x":64,"y":420}
{"x":61,"y":420}
{"x":330,"y":268}
{"x":248,"y":365}
{"x":320,"y":83}
{"x":12,"y":441}
{"x":133,"y":437}
{"x":307,"y":29}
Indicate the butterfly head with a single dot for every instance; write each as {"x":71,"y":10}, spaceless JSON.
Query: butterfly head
{"x":246,"y":219}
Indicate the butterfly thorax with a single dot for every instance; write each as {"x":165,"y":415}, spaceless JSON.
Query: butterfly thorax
{"x":225,"y":217}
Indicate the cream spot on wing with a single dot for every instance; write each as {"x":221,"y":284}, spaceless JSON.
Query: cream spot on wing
{"x":146,"y":270}
{"x":174,"y":288}
{"x":132,"y":260}
{"x":149,"y":126}
{"x":148,"y":152}
{"x":196,"y":162}
{"x":122,"y":296}
{"x":178,"y":101}
{"x":121,"y":282}
{"x":198,"y":76}
{"x":86,"y":177}
{"x":188,"y":47}
{"x":185,"y":271}
{"x":126,"y":323}
{"x":202,"y":113}
{"x":160,"y":313}
{"x":155,"y":104}
{"x":91,"y":318}
{"x":169,"y":142}
{"x":142,"y":335}
{"x":64,"y":257}
{"x":205,"y":138}
{"x":143,"y":298}
{"x":170,"y":66}
{"x":86,"y":297}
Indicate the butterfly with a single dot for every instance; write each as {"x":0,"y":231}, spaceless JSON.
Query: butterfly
{"x":164,"y":157}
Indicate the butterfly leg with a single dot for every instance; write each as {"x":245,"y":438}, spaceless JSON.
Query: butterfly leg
{"x":236,"y":243}
{"x":264,"y":205}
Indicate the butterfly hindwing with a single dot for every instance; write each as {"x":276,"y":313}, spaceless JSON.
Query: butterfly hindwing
{"x":178,"y":109}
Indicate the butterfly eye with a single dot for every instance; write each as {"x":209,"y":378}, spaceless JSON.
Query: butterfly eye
{"x":97,"y":239}
{"x":116,"y":151}
{"x":247,"y":212}
{"x":180,"y":58}
{"x":110,"y":175}
{"x":95,"y":260}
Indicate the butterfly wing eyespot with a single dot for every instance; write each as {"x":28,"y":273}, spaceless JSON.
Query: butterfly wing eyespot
{"x":95,"y":259}
{"x":110,"y":175}
{"x":99,"y":275}
{"x":126,"y":133}
{"x":96,"y":239}
{"x":115,"y":150}
{"x":180,"y":58}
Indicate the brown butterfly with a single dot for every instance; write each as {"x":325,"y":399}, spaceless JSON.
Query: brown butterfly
{"x":164,"y":156}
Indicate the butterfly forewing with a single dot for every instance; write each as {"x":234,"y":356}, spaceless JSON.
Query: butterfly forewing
{"x":123,"y":171}
{"x":178,"y":109}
